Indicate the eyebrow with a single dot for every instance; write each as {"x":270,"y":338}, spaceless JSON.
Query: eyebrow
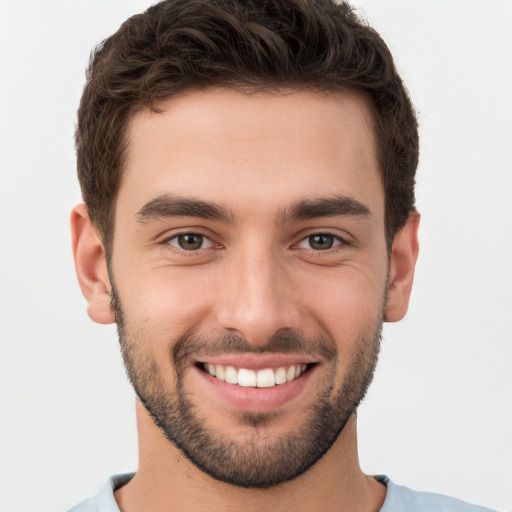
{"x":323,"y":207}
{"x":167,"y":205}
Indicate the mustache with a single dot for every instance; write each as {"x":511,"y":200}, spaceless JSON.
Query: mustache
{"x":284,"y":341}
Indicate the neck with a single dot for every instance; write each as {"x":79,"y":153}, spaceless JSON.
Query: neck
{"x":166,"y":480}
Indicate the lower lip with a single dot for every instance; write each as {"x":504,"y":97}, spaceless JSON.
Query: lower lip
{"x":251,"y":399}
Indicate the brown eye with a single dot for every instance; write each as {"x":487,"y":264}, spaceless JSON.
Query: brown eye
{"x":190,"y":241}
{"x":319,"y":242}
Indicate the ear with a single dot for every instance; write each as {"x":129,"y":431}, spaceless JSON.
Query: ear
{"x":404,"y":254}
{"x":91,"y":266}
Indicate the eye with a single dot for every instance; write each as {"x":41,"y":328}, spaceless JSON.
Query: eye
{"x":319,"y":242}
{"x":190,"y":241}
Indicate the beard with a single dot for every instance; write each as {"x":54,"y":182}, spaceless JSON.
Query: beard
{"x":260,"y":461}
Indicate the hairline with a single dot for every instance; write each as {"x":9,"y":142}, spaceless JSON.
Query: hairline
{"x":265,"y":88}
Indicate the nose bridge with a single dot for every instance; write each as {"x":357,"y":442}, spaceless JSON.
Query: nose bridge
{"x":256,"y":302}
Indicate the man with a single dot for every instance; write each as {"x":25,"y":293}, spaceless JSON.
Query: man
{"x":248,"y":176}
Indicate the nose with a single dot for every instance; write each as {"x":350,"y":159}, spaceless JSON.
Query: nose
{"x":257,"y":298}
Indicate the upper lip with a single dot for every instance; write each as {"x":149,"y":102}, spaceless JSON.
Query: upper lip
{"x":257,"y":362}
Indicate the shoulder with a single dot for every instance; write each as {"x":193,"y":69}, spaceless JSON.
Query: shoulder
{"x":403,"y":499}
{"x":104,"y":501}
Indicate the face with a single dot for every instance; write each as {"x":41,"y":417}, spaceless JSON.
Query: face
{"x":249,"y":272}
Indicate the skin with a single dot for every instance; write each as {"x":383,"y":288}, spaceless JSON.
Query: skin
{"x":255,"y":156}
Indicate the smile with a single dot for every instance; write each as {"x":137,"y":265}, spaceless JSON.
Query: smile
{"x":263,"y":378}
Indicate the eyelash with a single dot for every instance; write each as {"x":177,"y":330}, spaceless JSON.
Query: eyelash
{"x":337,"y":241}
{"x":168,"y":240}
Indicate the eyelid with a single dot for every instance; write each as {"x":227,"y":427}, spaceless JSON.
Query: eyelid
{"x":340,"y":240}
{"x":337,"y":241}
{"x":208,"y":242}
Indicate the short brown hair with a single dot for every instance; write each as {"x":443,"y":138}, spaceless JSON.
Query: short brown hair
{"x":178,"y":45}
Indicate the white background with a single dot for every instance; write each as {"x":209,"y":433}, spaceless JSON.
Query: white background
{"x":439,"y":415}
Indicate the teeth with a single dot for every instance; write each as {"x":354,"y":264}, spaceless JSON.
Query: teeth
{"x":265,"y":378}
{"x":219,"y":372}
{"x":231,"y":375}
{"x":280,"y":375}
{"x":246,"y":378}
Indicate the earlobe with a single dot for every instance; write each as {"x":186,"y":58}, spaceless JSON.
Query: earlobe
{"x":404,"y":254}
{"x":91,"y":266}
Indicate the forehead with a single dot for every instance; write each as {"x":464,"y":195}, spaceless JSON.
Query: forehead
{"x":253,"y":149}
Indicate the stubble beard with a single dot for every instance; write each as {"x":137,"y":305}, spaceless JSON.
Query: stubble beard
{"x":258,"y":461}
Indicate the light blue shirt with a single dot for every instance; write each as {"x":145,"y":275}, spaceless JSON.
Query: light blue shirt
{"x":398,"y":499}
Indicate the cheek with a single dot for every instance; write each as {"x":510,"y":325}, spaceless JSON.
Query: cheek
{"x":158,"y":311}
{"x":165,"y":303}
{"x":347,"y":304}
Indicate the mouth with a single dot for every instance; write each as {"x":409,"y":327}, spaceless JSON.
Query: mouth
{"x":255,"y":383}
{"x":261,"y":378}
